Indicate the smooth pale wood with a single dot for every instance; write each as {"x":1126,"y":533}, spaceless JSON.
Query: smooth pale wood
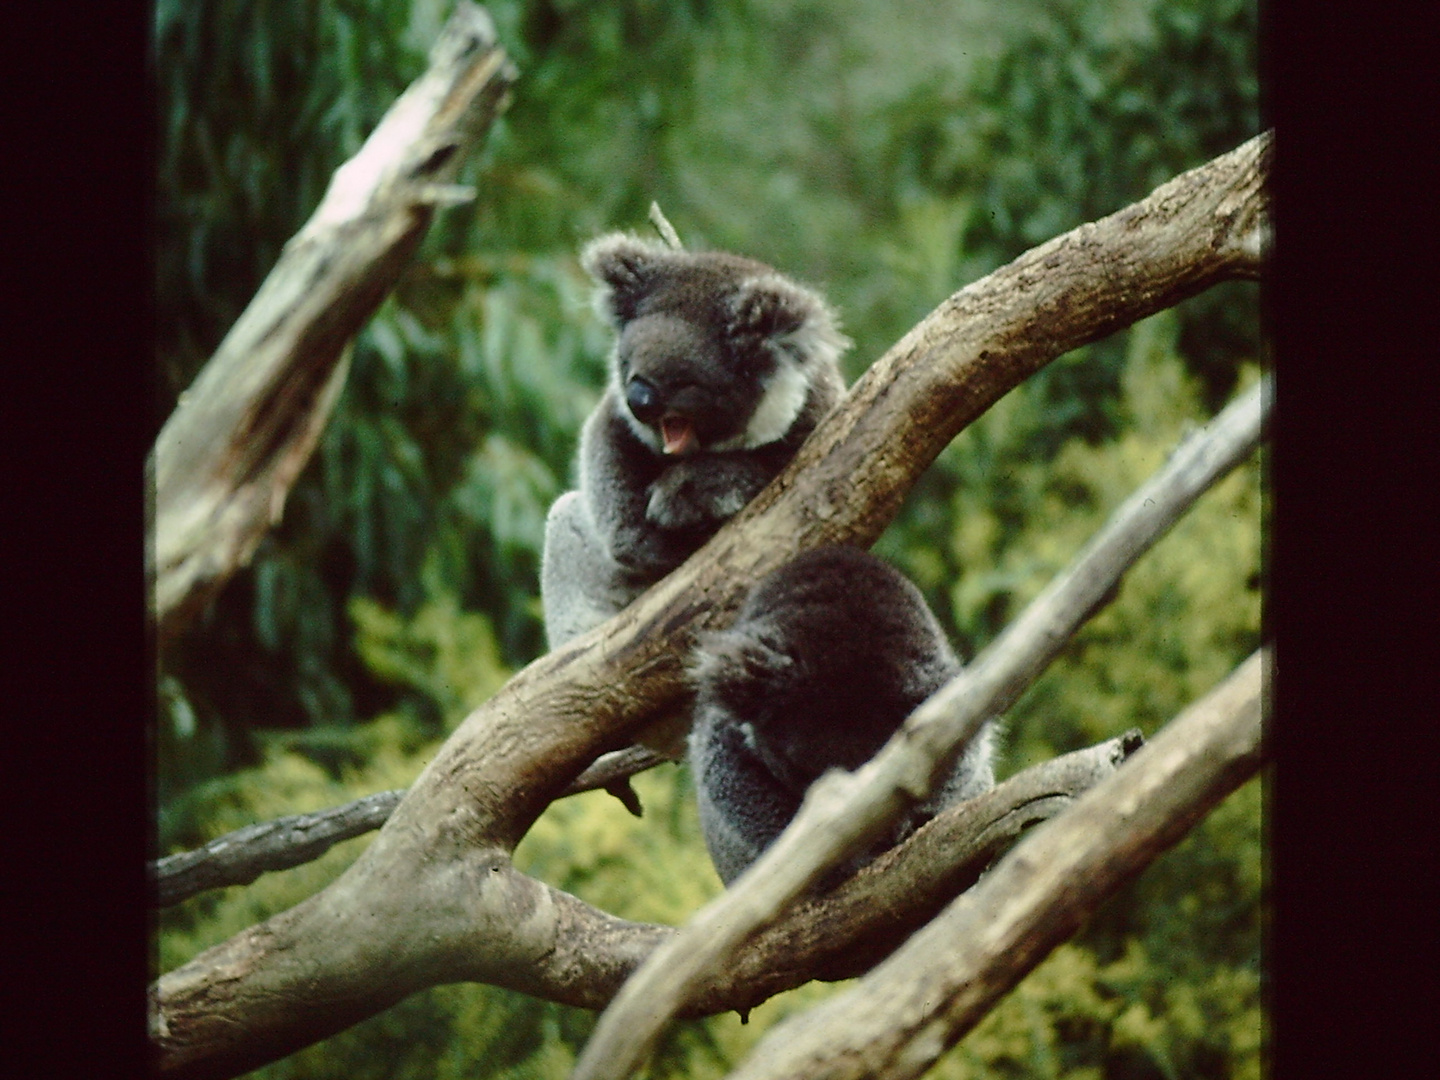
{"x":225,"y":460}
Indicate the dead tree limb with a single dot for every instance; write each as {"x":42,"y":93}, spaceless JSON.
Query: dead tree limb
{"x":834,"y":936}
{"x":936,"y":987}
{"x":239,"y":857}
{"x":844,"y":811}
{"x":225,"y":460}
{"x":844,"y":934}
{"x":433,"y":898}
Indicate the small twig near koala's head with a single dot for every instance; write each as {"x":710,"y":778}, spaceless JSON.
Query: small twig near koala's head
{"x":664,"y":228}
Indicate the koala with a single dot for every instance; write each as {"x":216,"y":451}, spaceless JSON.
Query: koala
{"x":721,"y":368}
{"x":826,"y":657}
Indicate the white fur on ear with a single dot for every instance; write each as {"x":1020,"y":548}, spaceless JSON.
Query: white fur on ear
{"x":813,"y":338}
{"x":708,"y":656}
{"x":719,"y":649}
{"x":619,"y":261}
{"x":810,"y":342}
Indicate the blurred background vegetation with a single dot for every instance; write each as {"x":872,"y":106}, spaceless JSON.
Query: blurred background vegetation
{"x":886,"y":153}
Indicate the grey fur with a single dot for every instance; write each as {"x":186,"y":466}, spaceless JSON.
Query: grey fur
{"x":738,"y":360}
{"x":825,"y":659}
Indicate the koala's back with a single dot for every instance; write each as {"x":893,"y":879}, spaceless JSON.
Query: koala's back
{"x":826,"y":658}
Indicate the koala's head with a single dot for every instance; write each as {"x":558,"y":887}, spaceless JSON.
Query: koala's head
{"x":713,"y":351}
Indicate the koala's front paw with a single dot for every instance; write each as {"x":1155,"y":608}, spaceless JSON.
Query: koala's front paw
{"x":673,"y":503}
{"x":682,"y":499}
{"x":645,"y":552}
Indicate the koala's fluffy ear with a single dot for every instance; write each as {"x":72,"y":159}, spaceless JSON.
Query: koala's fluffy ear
{"x":625,"y":268}
{"x":775,"y":311}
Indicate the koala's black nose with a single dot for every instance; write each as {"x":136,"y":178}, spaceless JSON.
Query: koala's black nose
{"x":643,"y":399}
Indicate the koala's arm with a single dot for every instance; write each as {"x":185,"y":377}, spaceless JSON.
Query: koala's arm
{"x":704,"y":491}
{"x":743,"y":807}
{"x":616,"y":473}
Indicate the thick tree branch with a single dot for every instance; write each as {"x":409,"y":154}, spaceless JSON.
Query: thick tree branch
{"x":844,"y":934}
{"x":431,"y":888}
{"x":568,"y":951}
{"x":918,"y":1003}
{"x":239,"y":857}
{"x":843,"y":811}
{"x":224,"y":462}
{"x":834,"y":936}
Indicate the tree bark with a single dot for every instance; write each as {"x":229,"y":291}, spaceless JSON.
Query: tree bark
{"x":581,"y":956}
{"x":239,"y":857}
{"x":226,"y":458}
{"x":433,"y":898}
{"x":843,"y":935}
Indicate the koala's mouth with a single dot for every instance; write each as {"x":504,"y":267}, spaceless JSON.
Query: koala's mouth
{"x":678,"y":434}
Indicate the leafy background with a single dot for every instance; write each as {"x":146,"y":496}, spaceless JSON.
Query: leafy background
{"x":887,"y":153}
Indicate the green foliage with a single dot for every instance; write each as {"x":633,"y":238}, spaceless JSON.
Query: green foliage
{"x":295,"y":776}
{"x":890,"y":154}
{"x":1163,"y":983}
{"x":856,"y":147}
{"x":1194,"y":603}
{"x":448,"y":655}
{"x":1081,"y":1019}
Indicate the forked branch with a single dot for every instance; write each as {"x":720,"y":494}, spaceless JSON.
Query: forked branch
{"x":940,"y":983}
{"x":433,"y":898}
{"x":239,"y":857}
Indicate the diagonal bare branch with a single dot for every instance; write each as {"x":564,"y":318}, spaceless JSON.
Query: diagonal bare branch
{"x":837,"y":935}
{"x":842,"y":811}
{"x":935,"y":988}
{"x":239,"y":857}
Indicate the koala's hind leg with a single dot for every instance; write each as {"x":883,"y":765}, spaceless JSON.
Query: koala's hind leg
{"x":580,"y":585}
{"x":972,"y":776}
